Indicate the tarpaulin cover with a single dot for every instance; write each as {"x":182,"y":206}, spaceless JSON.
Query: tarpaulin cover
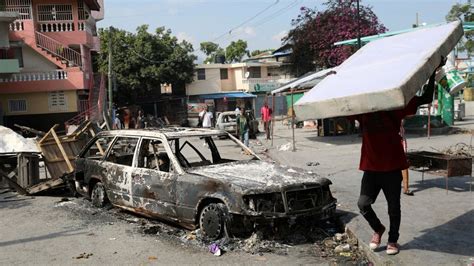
{"x":227,"y":95}
{"x":383,"y":75}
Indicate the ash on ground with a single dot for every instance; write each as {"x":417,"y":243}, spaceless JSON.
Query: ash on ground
{"x":310,"y":239}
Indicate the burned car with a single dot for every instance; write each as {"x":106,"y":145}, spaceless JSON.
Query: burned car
{"x":227,"y":121}
{"x":195,"y":178}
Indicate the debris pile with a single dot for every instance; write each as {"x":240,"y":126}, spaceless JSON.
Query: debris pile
{"x":342,"y":249}
{"x":12,"y":142}
{"x":458,"y":149}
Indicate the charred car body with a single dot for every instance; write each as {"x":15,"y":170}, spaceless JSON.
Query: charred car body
{"x":196,"y":179}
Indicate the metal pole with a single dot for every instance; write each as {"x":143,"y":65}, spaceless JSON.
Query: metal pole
{"x":429,"y":120}
{"x":359,"y":44}
{"x":109,"y":73}
{"x":273,"y":115}
{"x":293,"y":121}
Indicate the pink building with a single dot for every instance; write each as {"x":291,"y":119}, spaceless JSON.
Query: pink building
{"x":52,"y":41}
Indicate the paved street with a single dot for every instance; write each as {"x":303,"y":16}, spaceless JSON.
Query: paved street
{"x":436,"y":224}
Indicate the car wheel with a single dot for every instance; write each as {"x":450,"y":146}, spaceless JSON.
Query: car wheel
{"x":99,"y":196}
{"x":212,"y":220}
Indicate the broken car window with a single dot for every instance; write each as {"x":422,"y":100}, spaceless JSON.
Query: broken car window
{"x":122,"y":151}
{"x":97,"y":149}
{"x":152,"y":155}
{"x":201,"y":151}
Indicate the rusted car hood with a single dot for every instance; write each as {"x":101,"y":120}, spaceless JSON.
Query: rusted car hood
{"x":259,"y":175}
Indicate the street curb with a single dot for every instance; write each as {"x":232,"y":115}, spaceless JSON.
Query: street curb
{"x":375,"y":258}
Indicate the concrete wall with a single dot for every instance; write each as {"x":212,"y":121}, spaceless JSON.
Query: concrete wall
{"x":211,"y":84}
{"x":34,"y":62}
{"x":37,"y":103}
{"x":229,"y":84}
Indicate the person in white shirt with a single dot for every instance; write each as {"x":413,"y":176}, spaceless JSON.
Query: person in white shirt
{"x":206,"y":118}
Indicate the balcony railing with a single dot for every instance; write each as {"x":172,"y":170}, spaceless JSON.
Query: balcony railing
{"x":56,"y":26}
{"x":58,"y":49}
{"x":36,"y":76}
{"x":17,"y":25}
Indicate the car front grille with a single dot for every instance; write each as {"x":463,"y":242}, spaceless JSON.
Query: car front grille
{"x":303,"y":200}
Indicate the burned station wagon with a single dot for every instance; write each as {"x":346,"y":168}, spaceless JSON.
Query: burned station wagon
{"x":196,"y":178}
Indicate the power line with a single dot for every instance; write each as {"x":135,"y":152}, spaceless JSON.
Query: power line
{"x":270,"y":17}
{"x":246,"y":21}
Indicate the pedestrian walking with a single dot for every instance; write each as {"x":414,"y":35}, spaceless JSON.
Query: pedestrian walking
{"x":140,"y":122}
{"x":266,"y":113}
{"x":243,"y":127}
{"x":382,"y":160}
{"x":405,"y":173}
{"x":206,"y":117}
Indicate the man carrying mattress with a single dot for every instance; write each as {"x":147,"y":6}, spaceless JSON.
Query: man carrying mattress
{"x":382,"y":159}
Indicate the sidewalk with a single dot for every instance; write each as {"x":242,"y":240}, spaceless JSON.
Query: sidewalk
{"x":437,"y":225}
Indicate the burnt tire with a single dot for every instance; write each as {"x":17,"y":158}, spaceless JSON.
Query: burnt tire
{"x":213,"y":221}
{"x":99,"y":195}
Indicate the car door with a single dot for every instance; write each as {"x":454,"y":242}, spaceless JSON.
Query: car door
{"x":89,"y":164}
{"x":153,"y":180}
{"x":117,"y":169}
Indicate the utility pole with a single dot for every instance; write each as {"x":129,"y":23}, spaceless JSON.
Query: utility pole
{"x":109,"y":73}
{"x":359,"y":43}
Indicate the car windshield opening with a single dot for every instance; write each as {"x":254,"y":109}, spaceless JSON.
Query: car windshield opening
{"x":202,"y":151}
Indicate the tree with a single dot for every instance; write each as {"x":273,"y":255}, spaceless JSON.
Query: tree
{"x":209,"y":48}
{"x":257,"y":52}
{"x":142,"y":61}
{"x":314,"y":33}
{"x":464,"y":13}
{"x":236,"y":51}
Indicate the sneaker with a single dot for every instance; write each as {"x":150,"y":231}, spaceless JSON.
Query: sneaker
{"x":392,"y":248}
{"x":376,"y":239}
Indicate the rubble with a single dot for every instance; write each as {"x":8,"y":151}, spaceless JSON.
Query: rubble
{"x":12,"y":142}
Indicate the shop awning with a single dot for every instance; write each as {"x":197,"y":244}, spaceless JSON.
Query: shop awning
{"x":311,"y":76}
{"x":227,"y":95}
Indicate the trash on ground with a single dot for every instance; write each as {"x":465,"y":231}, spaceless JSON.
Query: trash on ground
{"x":214,"y":249}
{"x":285,"y":147}
{"x":83,"y":256}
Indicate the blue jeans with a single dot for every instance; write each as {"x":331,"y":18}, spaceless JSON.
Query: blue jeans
{"x":244,"y":137}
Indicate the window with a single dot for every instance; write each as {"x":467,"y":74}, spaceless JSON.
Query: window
{"x":201,"y":73}
{"x":255,"y":72}
{"x":54,"y":12}
{"x":153,"y":155}
{"x":97,"y":149}
{"x":17,"y":105}
{"x":202,"y":151}
{"x":57,"y":101}
{"x":122,"y":151}
{"x":224,"y":73}
{"x":83,"y":10}
{"x":20,"y":6}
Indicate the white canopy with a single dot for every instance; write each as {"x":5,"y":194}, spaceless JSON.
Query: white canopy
{"x":293,"y":84}
{"x":383,"y":75}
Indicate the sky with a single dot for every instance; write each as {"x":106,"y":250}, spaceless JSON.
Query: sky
{"x":262,"y":23}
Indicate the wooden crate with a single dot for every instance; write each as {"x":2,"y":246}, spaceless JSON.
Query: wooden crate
{"x":59,"y":152}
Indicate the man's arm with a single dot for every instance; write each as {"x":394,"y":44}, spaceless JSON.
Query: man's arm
{"x":427,"y":96}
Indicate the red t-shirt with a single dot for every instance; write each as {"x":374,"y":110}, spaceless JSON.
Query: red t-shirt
{"x":382,"y":148}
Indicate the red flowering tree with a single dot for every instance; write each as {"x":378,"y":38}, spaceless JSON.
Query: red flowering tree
{"x":314,"y":34}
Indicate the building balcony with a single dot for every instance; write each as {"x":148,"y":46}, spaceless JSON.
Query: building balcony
{"x":9,"y":66}
{"x":43,"y":81}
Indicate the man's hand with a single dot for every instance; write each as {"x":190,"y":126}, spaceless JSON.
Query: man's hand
{"x":443,"y":62}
